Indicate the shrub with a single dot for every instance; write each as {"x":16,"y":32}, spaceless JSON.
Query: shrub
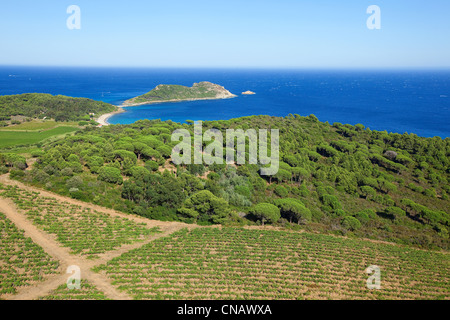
{"x":431,"y":192}
{"x":281,"y":191}
{"x":152,"y":165}
{"x":362,"y":217}
{"x":74,"y":182}
{"x":16,"y":174}
{"x":339,"y":213}
{"x":66,"y":172}
{"x":37,"y":153}
{"x":266,"y":212}
{"x":369,"y":212}
{"x":110,"y":174}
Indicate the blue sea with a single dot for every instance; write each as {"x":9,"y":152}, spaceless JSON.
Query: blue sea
{"x":395,"y":101}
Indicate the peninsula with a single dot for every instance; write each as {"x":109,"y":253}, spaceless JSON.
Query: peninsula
{"x":173,"y":93}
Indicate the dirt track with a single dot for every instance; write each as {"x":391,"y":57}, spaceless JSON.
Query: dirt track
{"x":58,"y":252}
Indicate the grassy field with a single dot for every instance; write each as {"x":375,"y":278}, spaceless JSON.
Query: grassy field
{"x":14,"y":138}
{"x":234,"y":263}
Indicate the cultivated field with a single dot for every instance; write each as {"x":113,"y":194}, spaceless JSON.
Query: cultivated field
{"x":22,"y":262}
{"x":87,"y":291}
{"x":129,"y":257}
{"x":232,"y":263}
{"x":83,"y":230}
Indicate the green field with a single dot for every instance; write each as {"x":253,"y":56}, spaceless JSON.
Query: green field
{"x":14,"y":138}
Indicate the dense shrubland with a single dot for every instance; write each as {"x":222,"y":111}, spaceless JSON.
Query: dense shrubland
{"x":332,"y":178}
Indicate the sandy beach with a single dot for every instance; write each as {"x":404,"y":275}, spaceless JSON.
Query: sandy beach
{"x":103,"y":119}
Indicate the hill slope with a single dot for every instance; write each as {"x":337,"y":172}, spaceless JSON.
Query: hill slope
{"x":188,"y":262}
{"x":339,"y":179}
{"x":60,"y":108}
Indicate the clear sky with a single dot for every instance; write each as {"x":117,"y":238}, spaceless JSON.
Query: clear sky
{"x":231,"y":33}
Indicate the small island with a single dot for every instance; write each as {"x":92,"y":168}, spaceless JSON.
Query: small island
{"x":173,"y":93}
{"x":248,"y":92}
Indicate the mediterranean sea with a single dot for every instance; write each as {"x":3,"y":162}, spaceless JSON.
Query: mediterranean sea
{"x":412,"y":101}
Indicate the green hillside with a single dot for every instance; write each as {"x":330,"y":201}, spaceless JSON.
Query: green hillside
{"x":59,"y":108}
{"x":339,"y":179}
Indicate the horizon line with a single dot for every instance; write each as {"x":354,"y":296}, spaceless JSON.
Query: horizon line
{"x":323,"y":68}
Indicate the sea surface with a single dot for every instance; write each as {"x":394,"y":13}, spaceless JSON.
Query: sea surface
{"x":396,"y":101}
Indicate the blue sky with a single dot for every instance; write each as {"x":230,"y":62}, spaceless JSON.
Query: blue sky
{"x":243,"y":33}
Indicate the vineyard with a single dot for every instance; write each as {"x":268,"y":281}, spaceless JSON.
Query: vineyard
{"x":173,"y":261}
{"x":22,"y":262}
{"x":234,"y":263}
{"x":83,"y":230}
{"x":87,"y":291}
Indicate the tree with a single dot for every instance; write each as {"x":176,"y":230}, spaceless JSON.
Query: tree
{"x":300,"y":174}
{"x":151,"y":165}
{"x":283,"y":175}
{"x":266,"y":212}
{"x":110,"y":174}
{"x":139,"y":172}
{"x":154,"y":190}
{"x":150,"y":153}
{"x":165,"y":151}
{"x":281,"y":191}
{"x":368,"y":192}
{"x":94,"y":163}
{"x":331,"y":201}
{"x":293,"y":209}
{"x":387,"y":186}
{"x":206,"y":207}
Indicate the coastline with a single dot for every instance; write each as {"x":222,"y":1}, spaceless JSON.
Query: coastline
{"x":173,"y":100}
{"x":103,"y":119}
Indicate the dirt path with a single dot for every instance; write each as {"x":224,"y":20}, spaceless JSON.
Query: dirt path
{"x":53,"y":248}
